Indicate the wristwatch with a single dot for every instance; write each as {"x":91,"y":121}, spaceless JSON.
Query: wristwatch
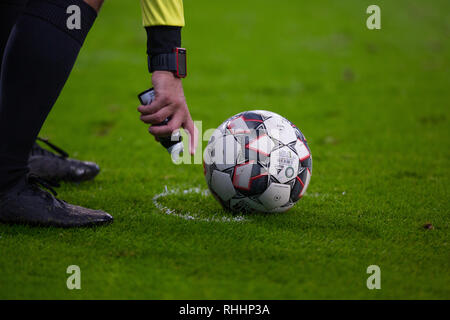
{"x":174,"y":62}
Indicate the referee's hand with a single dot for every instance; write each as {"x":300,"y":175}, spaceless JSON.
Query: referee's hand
{"x":169,"y":103}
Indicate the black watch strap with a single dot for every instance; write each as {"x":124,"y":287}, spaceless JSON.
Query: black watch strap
{"x":163,"y":62}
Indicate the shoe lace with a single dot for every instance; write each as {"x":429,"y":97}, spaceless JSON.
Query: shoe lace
{"x":38,"y":150}
{"x":39,"y":183}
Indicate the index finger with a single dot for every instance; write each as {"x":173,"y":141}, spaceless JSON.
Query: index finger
{"x":192,"y":130}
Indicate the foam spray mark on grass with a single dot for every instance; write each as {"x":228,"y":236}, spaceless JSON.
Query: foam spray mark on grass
{"x":188,"y":215}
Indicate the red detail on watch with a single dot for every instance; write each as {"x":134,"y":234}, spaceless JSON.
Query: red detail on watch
{"x":181,"y":62}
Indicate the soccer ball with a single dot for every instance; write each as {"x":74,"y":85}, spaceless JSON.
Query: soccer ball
{"x":257,"y":161}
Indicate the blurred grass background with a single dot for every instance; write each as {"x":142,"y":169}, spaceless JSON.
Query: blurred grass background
{"x":374,"y":106}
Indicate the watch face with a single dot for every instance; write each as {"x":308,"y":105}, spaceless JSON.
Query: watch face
{"x":181,"y":62}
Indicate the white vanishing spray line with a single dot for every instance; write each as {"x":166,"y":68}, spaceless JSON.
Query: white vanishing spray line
{"x":188,"y":215}
{"x":193,"y":216}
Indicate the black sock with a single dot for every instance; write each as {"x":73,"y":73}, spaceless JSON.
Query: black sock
{"x":39,"y":56}
{"x":9,"y":12}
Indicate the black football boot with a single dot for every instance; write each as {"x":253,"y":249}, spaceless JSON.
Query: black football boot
{"x":59,"y":167}
{"x":27,"y":203}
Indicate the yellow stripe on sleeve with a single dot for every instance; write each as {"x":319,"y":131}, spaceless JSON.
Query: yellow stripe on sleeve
{"x":162,"y":13}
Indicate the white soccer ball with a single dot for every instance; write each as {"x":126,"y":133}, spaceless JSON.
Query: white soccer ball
{"x":257,"y":161}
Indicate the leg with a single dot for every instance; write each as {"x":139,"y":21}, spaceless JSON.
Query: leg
{"x":9,"y":12}
{"x":42,"y":162}
{"x":38,"y":58}
{"x":59,"y":167}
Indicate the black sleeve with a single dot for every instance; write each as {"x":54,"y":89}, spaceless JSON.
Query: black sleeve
{"x":162,"y":39}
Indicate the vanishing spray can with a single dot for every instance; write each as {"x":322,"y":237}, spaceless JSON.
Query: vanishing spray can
{"x":174,"y":143}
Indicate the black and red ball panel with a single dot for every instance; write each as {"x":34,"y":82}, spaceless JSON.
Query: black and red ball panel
{"x":252,"y":119}
{"x":258,"y":184}
{"x":301,"y":181}
{"x":258,"y":146}
{"x":307,"y":163}
{"x":250,"y":178}
{"x":245,"y":122}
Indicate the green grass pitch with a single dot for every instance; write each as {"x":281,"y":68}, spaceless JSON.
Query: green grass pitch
{"x":374,"y":106}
